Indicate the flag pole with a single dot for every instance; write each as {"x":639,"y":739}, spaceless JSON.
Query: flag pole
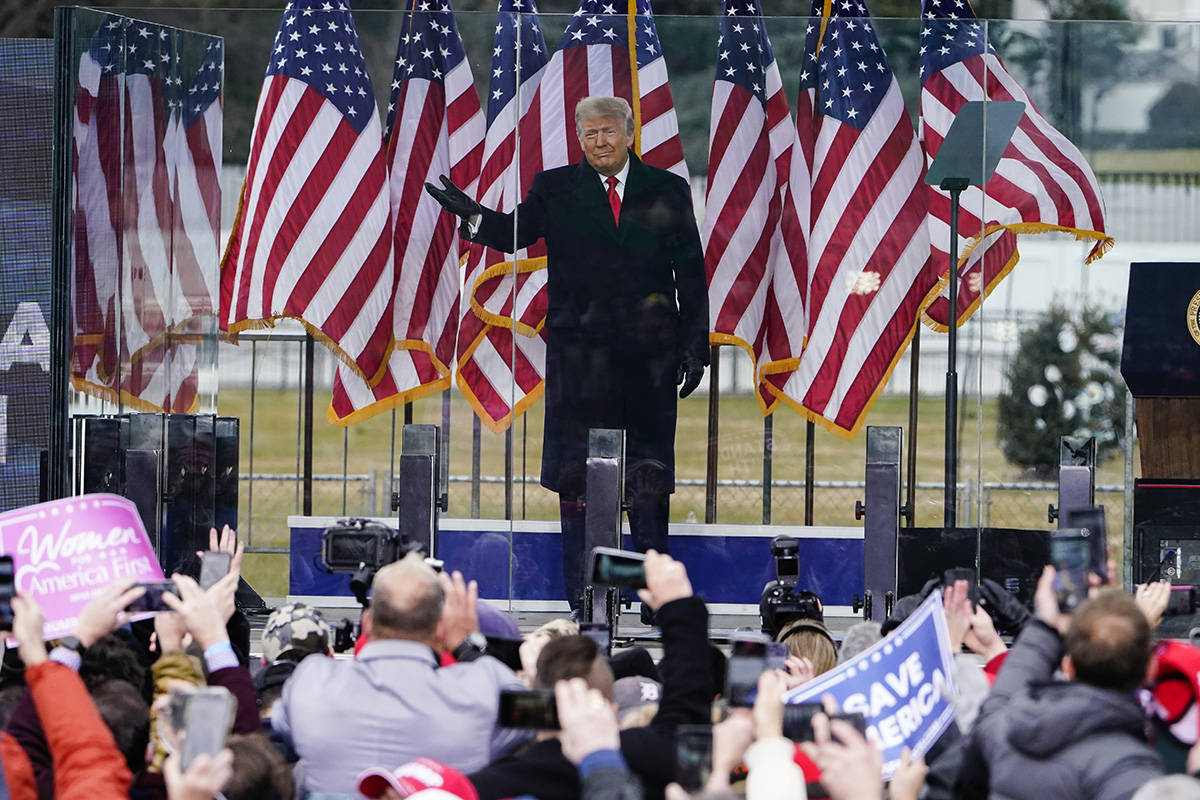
{"x":914,"y":378}
{"x":309,"y":342}
{"x":635,"y":91}
{"x":955,"y":187}
{"x":714,"y":416}
{"x":810,"y":469}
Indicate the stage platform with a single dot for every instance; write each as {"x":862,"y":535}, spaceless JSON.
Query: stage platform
{"x":520,"y":562}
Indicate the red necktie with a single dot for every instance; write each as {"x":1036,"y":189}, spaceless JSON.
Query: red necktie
{"x":614,"y":199}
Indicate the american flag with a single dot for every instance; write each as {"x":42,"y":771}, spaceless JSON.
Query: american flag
{"x":96,"y":224}
{"x":312,"y":240}
{"x":146,"y":230}
{"x":435,"y":127}
{"x":193,"y":148}
{"x":487,"y":345}
{"x":1042,"y":183}
{"x":151,"y":68}
{"x":165,"y":378}
{"x":754,"y":242}
{"x":594,"y":58}
{"x":870,"y":271}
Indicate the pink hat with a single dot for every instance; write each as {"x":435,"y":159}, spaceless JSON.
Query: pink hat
{"x":424,"y":778}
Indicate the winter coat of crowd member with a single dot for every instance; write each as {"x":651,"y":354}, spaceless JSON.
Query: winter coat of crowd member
{"x":85,"y":758}
{"x":394,"y":703}
{"x":544,"y":771}
{"x":1083,"y":737}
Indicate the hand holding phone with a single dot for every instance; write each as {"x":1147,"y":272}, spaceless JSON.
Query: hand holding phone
{"x":1070,"y":555}
{"x":214,"y":565}
{"x":619,"y":568}
{"x":746,"y":663}
{"x":955,"y":574}
{"x":1091,"y":521}
{"x":798,"y":719}
{"x":151,"y":599}
{"x":693,"y":756}
{"x":201,"y":719}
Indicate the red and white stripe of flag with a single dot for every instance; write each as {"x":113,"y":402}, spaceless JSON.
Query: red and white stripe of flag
{"x":437,"y":131}
{"x":313,"y":240}
{"x":869,"y":262}
{"x":494,"y":365}
{"x":196,"y":195}
{"x":96,"y":241}
{"x":1042,"y":183}
{"x":754,"y":270}
{"x":145,"y":269}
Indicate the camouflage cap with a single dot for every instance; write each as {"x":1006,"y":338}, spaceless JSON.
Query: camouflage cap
{"x":294,"y":631}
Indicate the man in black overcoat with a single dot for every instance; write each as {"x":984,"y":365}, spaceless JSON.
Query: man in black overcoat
{"x":626,"y":320}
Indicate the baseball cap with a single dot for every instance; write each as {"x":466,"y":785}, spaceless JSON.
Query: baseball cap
{"x":293,"y":631}
{"x":423,"y":779}
{"x":633,"y":692}
{"x":494,"y":622}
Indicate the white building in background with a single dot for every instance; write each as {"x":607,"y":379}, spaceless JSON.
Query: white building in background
{"x":1151,"y":10}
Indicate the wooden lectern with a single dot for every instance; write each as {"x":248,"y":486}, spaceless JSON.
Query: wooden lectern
{"x":1160,"y":362}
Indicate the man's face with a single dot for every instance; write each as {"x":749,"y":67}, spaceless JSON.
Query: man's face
{"x":605,"y":143}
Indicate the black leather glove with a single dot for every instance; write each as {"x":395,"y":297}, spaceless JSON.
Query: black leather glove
{"x":691,"y":370}
{"x":1006,"y":610}
{"x":453,"y":199}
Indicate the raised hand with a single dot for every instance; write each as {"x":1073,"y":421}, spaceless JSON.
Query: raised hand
{"x":666,"y":580}
{"x":105,"y":612}
{"x":453,"y":199}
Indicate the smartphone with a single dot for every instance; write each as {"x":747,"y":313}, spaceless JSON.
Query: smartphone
{"x":152,"y":599}
{"x":797,"y":720}
{"x":620,"y":568}
{"x":599,"y":633}
{"x":214,"y":565}
{"x":1071,"y":556}
{"x":202,"y":718}
{"x":506,"y":651}
{"x":693,"y":756}
{"x":798,"y":717}
{"x":1181,"y":601}
{"x":534,"y":709}
{"x":1092,"y":520}
{"x":746,"y":664}
{"x":955,"y":574}
{"x":7,"y":587}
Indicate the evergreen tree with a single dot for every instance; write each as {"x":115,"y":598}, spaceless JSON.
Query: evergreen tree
{"x":1063,"y":381}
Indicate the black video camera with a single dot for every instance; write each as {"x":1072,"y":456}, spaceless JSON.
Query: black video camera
{"x":360,"y":548}
{"x":781,"y":602}
{"x":355,"y":543}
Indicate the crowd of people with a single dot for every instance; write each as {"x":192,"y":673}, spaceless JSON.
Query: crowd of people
{"x":1082,"y":705}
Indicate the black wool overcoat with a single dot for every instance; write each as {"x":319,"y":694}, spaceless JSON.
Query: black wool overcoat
{"x":625,"y":304}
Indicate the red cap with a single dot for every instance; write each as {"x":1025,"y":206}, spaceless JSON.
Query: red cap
{"x":424,"y":777}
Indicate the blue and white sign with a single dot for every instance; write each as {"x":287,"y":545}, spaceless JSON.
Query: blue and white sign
{"x":902,"y":685}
